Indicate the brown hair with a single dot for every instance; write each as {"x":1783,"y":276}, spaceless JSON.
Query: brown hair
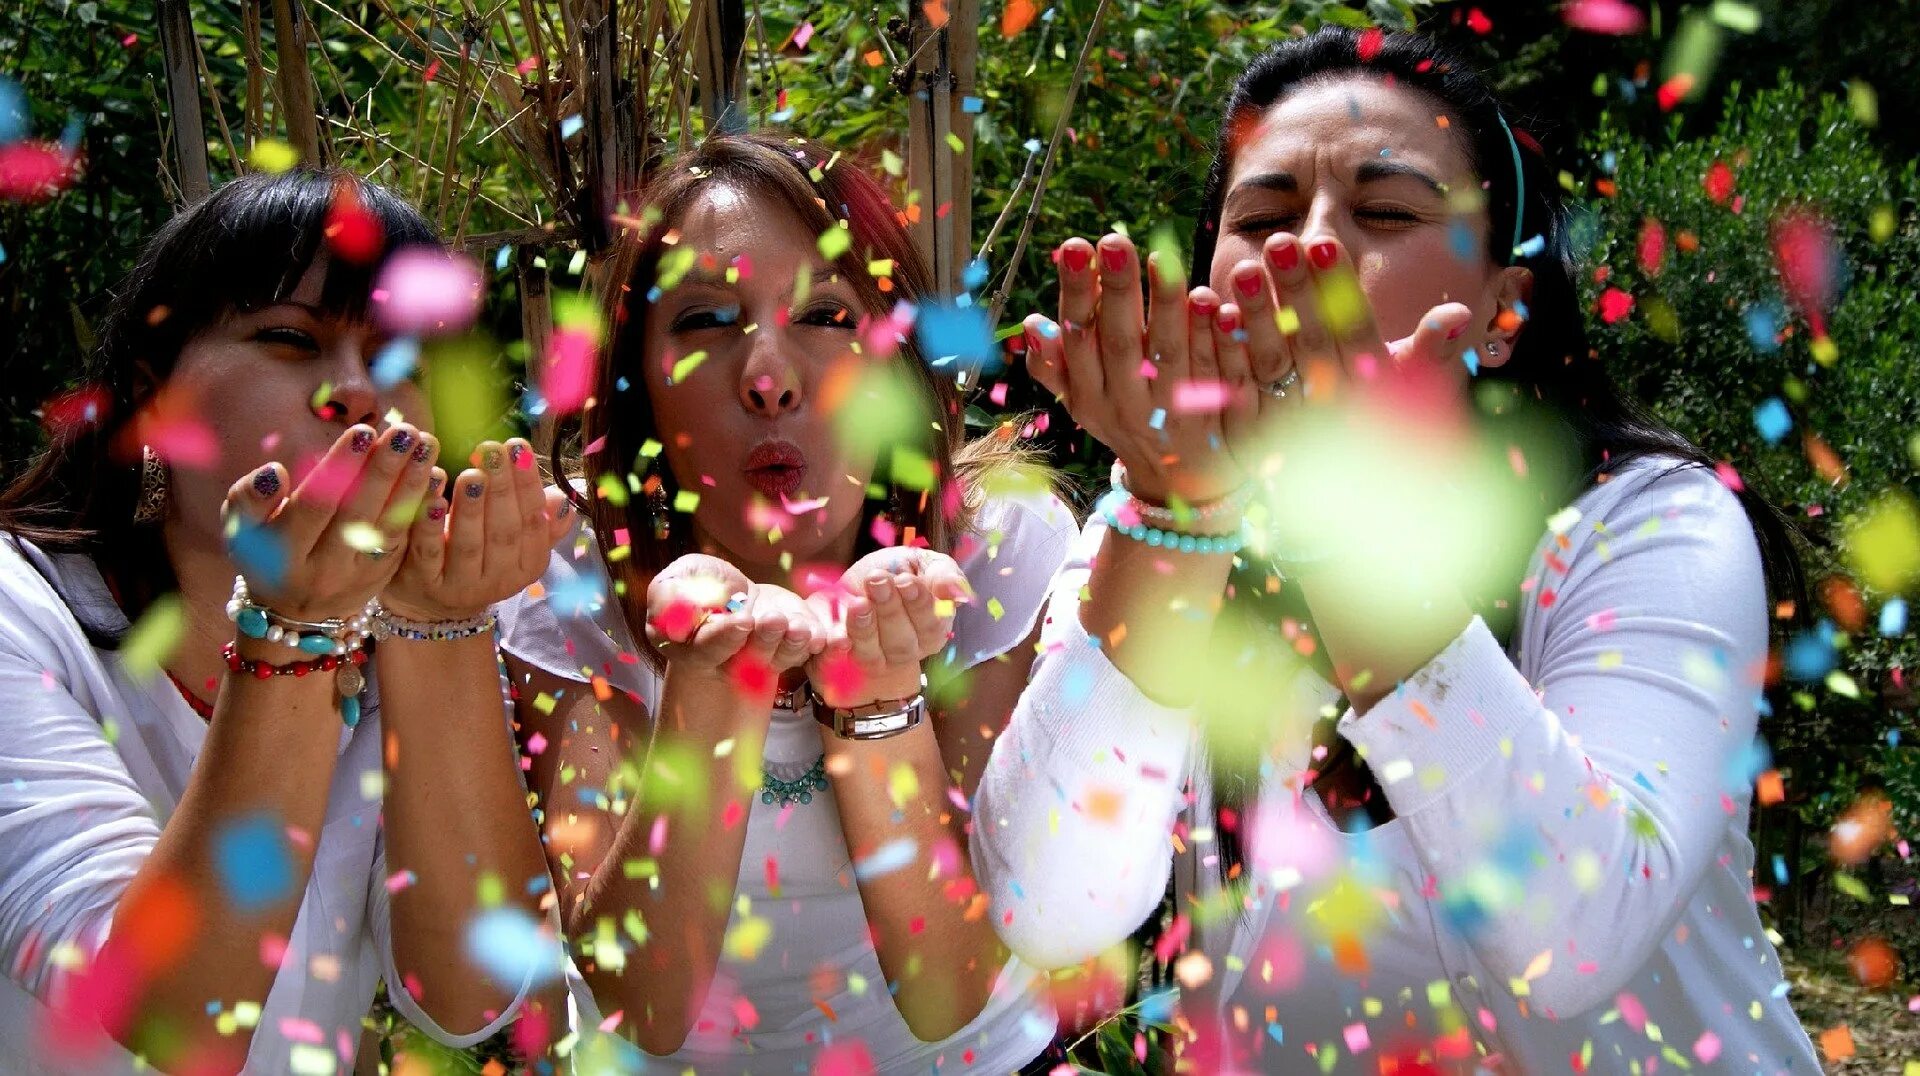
{"x":824,"y":190}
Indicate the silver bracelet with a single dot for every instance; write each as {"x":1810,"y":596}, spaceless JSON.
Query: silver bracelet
{"x":876,"y":720}
{"x":387,"y":626}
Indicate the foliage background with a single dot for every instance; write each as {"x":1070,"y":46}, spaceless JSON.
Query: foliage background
{"x":1809,"y":104}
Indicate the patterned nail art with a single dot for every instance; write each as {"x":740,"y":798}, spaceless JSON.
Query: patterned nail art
{"x":433,"y":484}
{"x":491,"y":459}
{"x":516,"y":452}
{"x":422,"y":450}
{"x":362,"y":440}
{"x":474,"y":490}
{"x":402,"y":440}
{"x":266,"y":482}
{"x":437,"y":512}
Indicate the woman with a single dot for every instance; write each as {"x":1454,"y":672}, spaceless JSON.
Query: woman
{"x":212,"y":868}
{"x":747,"y":891}
{"x":1526,"y":854}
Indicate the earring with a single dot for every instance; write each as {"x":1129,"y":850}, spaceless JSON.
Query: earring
{"x":1492,"y":349}
{"x":151,"y":508}
{"x":657,"y":512}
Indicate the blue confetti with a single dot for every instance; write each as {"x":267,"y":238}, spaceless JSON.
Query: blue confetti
{"x":1893,"y":616}
{"x":889,"y":857}
{"x":1032,"y":145}
{"x":1772,"y":420}
{"x":1529,"y":247}
{"x":975,"y":275}
{"x":1157,"y":1007}
{"x":622,"y":385}
{"x":13,"y":111}
{"x":1158,"y":420}
{"x":1779,"y":869}
{"x":571,"y":125}
{"x":962,"y":334}
{"x":500,"y":259}
{"x":259,"y":553}
{"x":1077,"y":686}
{"x":972,"y":105}
{"x":1810,"y":654}
{"x":1763,"y":327}
{"x":252,"y":862}
{"x":1472,"y":359}
{"x":1460,"y":241}
{"x":395,"y":362}
{"x":579,"y":596}
{"x":510,"y":946}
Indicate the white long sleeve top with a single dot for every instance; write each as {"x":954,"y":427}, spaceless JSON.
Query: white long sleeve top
{"x":93,"y":762}
{"x":1566,"y":884}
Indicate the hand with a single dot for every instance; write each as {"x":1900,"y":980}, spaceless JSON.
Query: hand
{"x":1160,"y":392}
{"x":885,"y":619}
{"x":491,"y":543}
{"x":1330,"y":339}
{"x":322,"y":551}
{"x":710,"y":620}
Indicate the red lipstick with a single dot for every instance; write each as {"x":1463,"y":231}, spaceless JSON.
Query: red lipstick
{"x":775,"y":468}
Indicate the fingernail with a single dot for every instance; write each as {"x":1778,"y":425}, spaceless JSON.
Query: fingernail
{"x":266,"y":482}
{"x":1203,"y":307}
{"x":1323,"y":253}
{"x":1284,"y":257}
{"x":1229,"y":321}
{"x":883,"y":592}
{"x":1247,"y":282}
{"x":433,"y":484}
{"x":362,"y":440}
{"x":401,"y":441}
{"x":1076,"y":258}
{"x":1113,"y":259}
{"x":566,"y":509}
{"x":474,"y":490}
{"x":491,"y":459}
{"x":437,"y":512}
{"x":518,"y":454}
{"x":422,"y":450}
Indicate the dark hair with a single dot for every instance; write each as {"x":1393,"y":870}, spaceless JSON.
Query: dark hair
{"x":243,"y":247}
{"x":1553,"y":376}
{"x":822,"y":189}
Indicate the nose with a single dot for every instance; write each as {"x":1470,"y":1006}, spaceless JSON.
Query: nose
{"x":1324,"y":221}
{"x":770,"y":385}
{"x":352,"y":396}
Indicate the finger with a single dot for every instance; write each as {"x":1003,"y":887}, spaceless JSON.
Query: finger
{"x":1203,"y":358}
{"x":255,"y":497}
{"x":1046,"y":357}
{"x":1079,"y":299}
{"x":1236,"y":374}
{"x":1344,"y":309}
{"x":311,"y":507}
{"x":1269,"y":349}
{"x":1168,"y":333}
{"x":898,"y":643}
{"x":385,"y":466}
{"x":406,"y":504}
{"x":1439,"y":337}
{"x":530,"y":505}
{"x":559,"y":509}
{"x":427,"y":538}
{"x":860,"y":632}
{"x":502,"y":511}
{"x":929,"y":627}
{"x":467,"y":533}
{"x":1120,"y":326}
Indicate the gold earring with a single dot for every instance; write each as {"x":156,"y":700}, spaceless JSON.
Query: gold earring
{"x":151,"y":508}
{"x":657,"y":509}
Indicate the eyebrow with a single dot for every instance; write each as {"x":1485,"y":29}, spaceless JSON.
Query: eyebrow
{"x":718,"y":279}
{"x":1368,"y":172}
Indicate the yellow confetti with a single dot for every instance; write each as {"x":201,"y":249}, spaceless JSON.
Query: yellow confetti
{"x":1883,"y":545}
{"x":152,"y":641}
{"x":747,"y":937}
{"x":686,"y":366}
{"x":835,"y":241}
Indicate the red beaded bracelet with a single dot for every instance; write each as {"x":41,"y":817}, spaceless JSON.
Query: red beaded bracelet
{"x":263,"y":669}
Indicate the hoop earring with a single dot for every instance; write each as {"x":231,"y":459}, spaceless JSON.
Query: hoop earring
{"x":151,"y":508}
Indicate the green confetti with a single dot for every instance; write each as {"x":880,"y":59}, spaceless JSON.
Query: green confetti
{"x":912,"y":469}
{"x":1164,"y":247}
{"x":835,"y":241}
{"x":152,"y":641}
{"x":686,"y":366}
{"x":1883,"y":546}
{"x":273,"y":155}
{"x":995,"y":609}
{"x":1864,"y":102}
{"x":674,"y":265}
{"x":686,"y":501}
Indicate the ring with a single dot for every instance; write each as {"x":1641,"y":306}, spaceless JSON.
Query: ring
{"x":376,"y":552}
{"x":1279,"y":389}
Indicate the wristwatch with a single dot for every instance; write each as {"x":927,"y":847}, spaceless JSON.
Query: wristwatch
{"x":875,"y":720}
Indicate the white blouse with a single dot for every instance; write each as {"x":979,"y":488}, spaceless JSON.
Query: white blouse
{"x":816,"y":983}
{"x":1567,"y":878}
{"x":92,"y":764}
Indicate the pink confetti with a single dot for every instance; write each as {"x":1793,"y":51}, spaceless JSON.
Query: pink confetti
{"x":1614,"y":305}
{"x":1605,"y":17}
{"x":426,"y":292}
{"x":844,"y":1059}
{"x":1707,"y":1047}
{"x":1632,"y":1012}
{"x":1728,"y":477}
{"x":183,"y":442}
{"x":1201,"y":396}
{"x":298,"y":1029}
{"x":536,"y":744}
{"x":1357,"y":1038}
{"x":572,"y":354}
{"x":399,"y":880}
{"x":657,"y":837}
{"x":803,"y":35}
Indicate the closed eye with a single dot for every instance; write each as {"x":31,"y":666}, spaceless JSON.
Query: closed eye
{"x":827,"y":315}
{"x":697,"y":320}
{"x":286,"y":336}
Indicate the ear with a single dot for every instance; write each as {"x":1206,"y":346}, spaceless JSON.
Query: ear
{"x":1511,"y":290}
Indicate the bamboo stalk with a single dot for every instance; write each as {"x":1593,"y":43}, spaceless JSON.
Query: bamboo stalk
{"x":256,"y":106}
{"x":295,"y":79}
{"x":183,"y":99}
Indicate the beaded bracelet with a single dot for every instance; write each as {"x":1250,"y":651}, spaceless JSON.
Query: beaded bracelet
{"x":1233,"y":504}
{"x":317,"y":637}
{"x":387,"y":626}
{"x":348,"y":680}
{"x":1109,"y":510}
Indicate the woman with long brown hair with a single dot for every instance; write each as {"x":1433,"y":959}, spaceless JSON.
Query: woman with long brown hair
{"x":758,"y":691}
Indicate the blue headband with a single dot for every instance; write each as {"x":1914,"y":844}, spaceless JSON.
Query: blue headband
{"x":1519,"y":186}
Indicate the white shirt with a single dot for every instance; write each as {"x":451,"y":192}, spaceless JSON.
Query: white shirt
{"x":1568,"y":873}
{"x":819,"y":955}
{"x":93,"y":763}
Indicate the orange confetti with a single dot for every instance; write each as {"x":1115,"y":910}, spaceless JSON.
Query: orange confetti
{"x":1103,"y":804}
{"x":1018,"y":16}
{"x":1874,"y":963}
{"x":1837,"y":1043}
{"x":873,"y":58}
{"x":1770,"y":788}
{"x":936,"y":13}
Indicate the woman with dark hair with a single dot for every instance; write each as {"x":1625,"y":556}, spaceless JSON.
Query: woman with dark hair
{"x":212,"y":868}
{"x":1520,"y":843}
{"x":758,"y":689}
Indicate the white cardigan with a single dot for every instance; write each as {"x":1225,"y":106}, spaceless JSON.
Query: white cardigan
{"x":1568,"y":874}
{"x":93,"y":761}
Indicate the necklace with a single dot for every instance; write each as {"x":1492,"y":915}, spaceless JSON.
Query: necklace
{"x":775,"y":790}
{"x":200,"y":705}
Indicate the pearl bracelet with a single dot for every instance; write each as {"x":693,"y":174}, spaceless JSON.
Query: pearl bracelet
{"x":317,"y":637}
{"x":1233,"y":504}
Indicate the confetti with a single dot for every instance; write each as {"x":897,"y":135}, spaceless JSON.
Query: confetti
{"x":424,"y":292}
{"x":254,"y":863}
{"x":512,"y":947}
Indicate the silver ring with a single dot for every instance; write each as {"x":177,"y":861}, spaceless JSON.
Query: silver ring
{"x":376,"y":552}
{"x":1279,"y":389}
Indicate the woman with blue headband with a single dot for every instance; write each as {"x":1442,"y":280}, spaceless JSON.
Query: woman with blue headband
{"x":1424,"y":661}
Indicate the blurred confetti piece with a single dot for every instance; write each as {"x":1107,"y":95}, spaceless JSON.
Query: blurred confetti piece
{"x":353,"y":234}
{"x":835,"y":241}
{"x":886,"y":859}
{"x":1772,"y":420}
{"x":573,"y":350}
{"x":35,"y":171}
{"x":151,"y":641}
{"x":956,"y":335}
{"x":1883,"y":544}
{"x":272,"y":155}
{"x":423,"y":292}
{"x":13,"y":111}
{"x":467,"y":391}
{"x":512,"y":947}
{"x":259,"y":553}
{"x":848,"y":1057}
{"x":1837,"y":1043}
{"x":75,"y":411}
{"x":1605,"y":17}
{"x":395,"y":362}
{"x":253,"y":863}
{"x":746,"y":937}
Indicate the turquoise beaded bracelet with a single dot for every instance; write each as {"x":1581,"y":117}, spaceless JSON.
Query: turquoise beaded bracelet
{"x":1174,"y":541}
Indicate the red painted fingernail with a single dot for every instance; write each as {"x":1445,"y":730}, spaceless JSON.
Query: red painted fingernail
{"x":1229,"y":321}
{"x":1284,"y":257}
{"x":1247,"y":282}
{"x":1113,"y":259}
{"x":1323,"y":254}
{"x":1203,"y":307}
{"x":1076,"y":258}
